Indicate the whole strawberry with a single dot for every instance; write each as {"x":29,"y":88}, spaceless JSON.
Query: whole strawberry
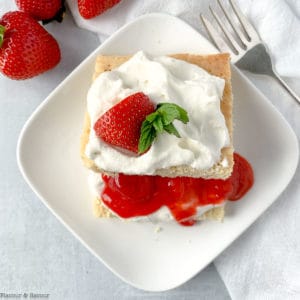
{"x":121,"y":125}
{"x":45,"y":10}
{"x":134,"y":123}
{"x":26,"y":48}
{"x":92,"y":8}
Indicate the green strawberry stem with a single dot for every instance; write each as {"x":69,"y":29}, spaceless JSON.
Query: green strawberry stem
{"x":159,"y":121}
{"x":2,"y":30}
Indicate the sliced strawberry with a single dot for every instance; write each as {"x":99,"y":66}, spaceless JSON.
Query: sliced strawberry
{"x":121,"y":125}
{"x":26,"y":49}
{"x":92,"y":8}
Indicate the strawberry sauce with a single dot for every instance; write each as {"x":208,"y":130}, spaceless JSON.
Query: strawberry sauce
{"x":133,"y":195}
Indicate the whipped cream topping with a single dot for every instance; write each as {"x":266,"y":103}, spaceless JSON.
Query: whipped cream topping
{"x":163,"y":79}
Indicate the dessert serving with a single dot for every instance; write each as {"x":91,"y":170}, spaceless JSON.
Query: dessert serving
{"x":157,"y":138}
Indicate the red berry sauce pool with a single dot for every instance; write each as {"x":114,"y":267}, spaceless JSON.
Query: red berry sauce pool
{"x":134,"y":195}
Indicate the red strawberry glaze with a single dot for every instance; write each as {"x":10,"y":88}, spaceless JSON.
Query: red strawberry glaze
{"x":133,"y":195}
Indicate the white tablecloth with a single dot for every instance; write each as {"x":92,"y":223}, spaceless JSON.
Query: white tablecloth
{"x":263,"y":263}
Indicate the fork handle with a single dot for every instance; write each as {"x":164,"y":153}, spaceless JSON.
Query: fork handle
{"x":292,"y":93}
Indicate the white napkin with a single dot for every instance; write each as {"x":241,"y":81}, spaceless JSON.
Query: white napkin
{"x":265,"y":262}
{"x":276,"y":20}
{"x":7,"y":6}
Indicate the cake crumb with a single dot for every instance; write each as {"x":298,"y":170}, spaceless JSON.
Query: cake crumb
{"x":158,"y":229}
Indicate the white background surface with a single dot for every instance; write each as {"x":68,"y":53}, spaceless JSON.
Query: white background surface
{"x":37,"y":254}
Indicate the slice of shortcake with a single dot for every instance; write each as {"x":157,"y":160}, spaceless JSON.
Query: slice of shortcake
{"x":158,"y":137}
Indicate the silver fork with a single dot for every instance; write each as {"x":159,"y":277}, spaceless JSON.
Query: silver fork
{"x":244,"y":45}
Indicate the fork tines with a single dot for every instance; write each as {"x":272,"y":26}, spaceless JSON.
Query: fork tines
{"x":244,"y":39}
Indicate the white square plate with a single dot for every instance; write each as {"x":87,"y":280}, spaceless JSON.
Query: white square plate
{"x":48,"y":156}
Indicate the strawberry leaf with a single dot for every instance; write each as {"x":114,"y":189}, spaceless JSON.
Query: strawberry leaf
{"x":2,"y":30}
{"x":159,"y":121}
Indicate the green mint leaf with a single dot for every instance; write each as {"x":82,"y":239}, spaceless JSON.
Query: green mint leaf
{"x":170,"y":128}
{"x":159,"y":121}
{"x":169,"y":114}
{"x":158,"y":125}
{"x":156,"y":120}
{"x":148,"y":135}
{"x":150,"y":118}
{"x":183,"y":115}
{"x":171,"y":111}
